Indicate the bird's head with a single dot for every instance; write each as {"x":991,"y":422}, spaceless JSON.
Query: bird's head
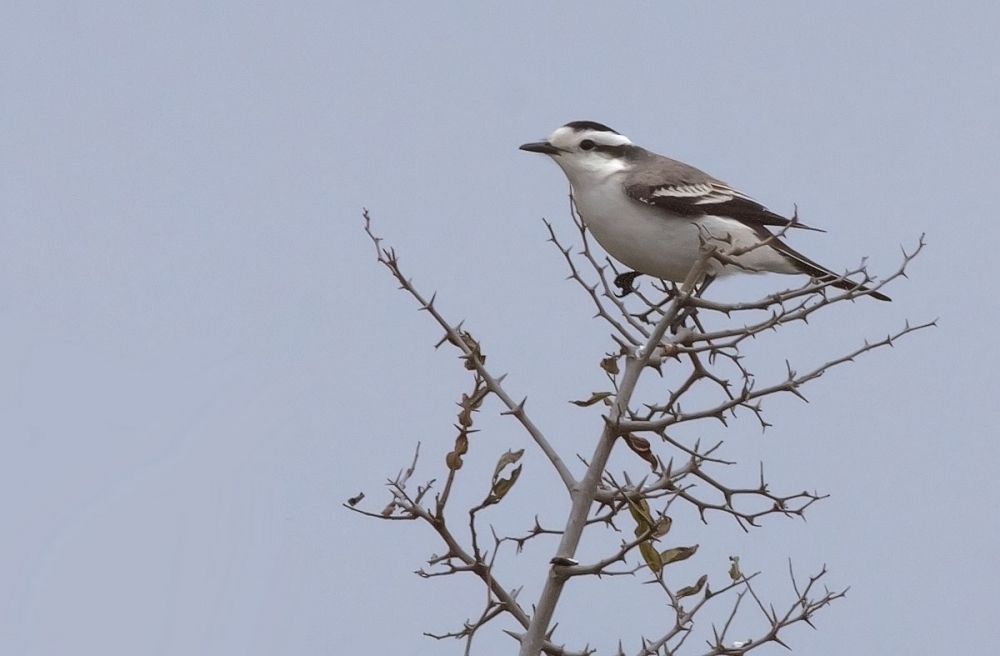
{"x":585,"y":150}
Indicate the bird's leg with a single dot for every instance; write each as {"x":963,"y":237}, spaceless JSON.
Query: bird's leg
{"x":708,"y":280}
{"x":623,"y":281}
{"x":690,"y":311}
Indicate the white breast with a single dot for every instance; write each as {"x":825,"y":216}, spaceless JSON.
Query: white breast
{"x":665,"y":245}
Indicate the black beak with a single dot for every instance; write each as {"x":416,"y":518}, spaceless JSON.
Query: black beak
{"x":543,"y":147}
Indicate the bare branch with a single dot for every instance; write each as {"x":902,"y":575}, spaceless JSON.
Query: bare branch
{"x":453,"y":335}
{"x":664,"y":333}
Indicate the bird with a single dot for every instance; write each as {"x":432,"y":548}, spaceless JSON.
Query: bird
{"x":653,"y":214}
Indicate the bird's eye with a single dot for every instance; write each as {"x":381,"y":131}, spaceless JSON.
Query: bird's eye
{"x":587,"y":144}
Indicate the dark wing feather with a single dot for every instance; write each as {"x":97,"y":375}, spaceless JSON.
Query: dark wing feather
{"x":688,"y":191}
{"x":685,"y":190}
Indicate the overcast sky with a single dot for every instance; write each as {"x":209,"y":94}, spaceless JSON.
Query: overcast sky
{"x":201,"y":359}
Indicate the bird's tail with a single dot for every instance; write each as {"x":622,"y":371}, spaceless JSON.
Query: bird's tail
{"x":849,"y":285}
{"x":822,"y":274}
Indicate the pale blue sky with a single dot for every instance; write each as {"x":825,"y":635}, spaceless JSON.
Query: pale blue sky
{"x":202,"y":360}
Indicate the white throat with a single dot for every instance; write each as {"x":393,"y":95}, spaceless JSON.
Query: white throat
{"x":591,"y":170}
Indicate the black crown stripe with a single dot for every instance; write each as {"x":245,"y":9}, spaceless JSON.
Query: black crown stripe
{"x":580,"y":126}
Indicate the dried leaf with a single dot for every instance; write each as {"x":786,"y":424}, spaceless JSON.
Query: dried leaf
{"x":662,"y":526}
{"x":734,"y":569}
{"x":470,"y":404}
{"x":479,"y":395}
{"x":594,"y":398}
{"x":677,"y":554}
{"x":639,"y":508}
{"x":508,"y":458}
{"x":388,"y":509}
{"x":454,"y":459}
{"x":689,"y":590}
{"x":355,"y":500}
{"x":651,"y":556}
{"x":503,"y":485}
{"x":476,"y":353}
{"x":641,"y":447}
{"x":610,"y":365}
{"x":465,"y":416}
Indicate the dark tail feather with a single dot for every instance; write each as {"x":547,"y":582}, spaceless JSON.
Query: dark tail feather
{"x":821,"y":274}
{"x":848,"y":285}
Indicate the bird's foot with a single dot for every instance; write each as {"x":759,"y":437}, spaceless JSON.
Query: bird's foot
{"x":623,"y":281}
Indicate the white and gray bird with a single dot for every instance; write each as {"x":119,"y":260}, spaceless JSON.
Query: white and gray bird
{"x":653,"y":213}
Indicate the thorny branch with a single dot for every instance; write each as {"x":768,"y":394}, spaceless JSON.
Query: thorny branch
{"x":472,"y":355}
{"x":665,"y":333}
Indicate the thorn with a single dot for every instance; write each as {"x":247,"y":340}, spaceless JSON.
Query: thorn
{"x":517,"y":409}
{"x":778,"y":640}
{"x":797,"y":393}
